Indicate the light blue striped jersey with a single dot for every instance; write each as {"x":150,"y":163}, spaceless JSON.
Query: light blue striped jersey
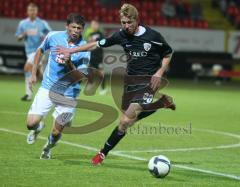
{"x":36,"y":31}
{"x":54,"y":70}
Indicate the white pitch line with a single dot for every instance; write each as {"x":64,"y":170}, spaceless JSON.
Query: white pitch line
{"x":181,"y":149}
{"x":191,"y":148}
{"x":209,"y":172}
{"x":13,"y":113}
{"x":129,"y":156}
{"x":167,"y":150}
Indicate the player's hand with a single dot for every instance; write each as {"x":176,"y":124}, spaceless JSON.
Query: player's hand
{"x":155,"y":82}
{"x":32,"y":81}
{"x":66,"y":56}
{"x":63,"y":50}
{"x":23,"y":36}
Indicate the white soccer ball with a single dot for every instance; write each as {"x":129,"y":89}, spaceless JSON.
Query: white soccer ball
{"x":159,"y":166}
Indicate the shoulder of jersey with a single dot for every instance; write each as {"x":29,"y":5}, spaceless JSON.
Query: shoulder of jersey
{"x":55,"y":33}
{"x":42,"y":20}
{"x":150,"y":30}
{"x":82,"y":42}
{"x":152,"y":34}
{"x":24,"y":21}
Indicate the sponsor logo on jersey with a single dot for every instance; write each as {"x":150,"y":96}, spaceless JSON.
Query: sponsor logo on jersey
{"x":138,"y":53}
{"x":147,"y":46}
{"x":60,"y":59}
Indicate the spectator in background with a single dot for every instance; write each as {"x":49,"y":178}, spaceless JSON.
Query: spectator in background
{"x":196,"y":11}
{"x":215,"y":3}
{"x":233,"y":9}
{"x":181,"y":10}
{"x":109,"y":3}
{"x":32,"y":30}
{"x":237,"y":2}
{"x":94,"y":33}
{"x":223,"y":6}
{"x":168,"y":9}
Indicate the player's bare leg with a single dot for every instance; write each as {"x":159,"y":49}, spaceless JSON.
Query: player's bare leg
{"x":53,"y":138}
{"x":35,"y":125}
{"x":134,"y":113}
{"x":127,"y":119}
{"x":27,"y":74}
{"x":103,"y":89}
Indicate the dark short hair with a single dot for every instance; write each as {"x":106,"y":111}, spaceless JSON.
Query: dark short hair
{"x":75,"y":18}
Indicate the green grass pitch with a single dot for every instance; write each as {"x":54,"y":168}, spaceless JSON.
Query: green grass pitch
{"x":206,"y":153}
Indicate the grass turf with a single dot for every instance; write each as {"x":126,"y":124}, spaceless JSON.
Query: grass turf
{"x":203,"y":105}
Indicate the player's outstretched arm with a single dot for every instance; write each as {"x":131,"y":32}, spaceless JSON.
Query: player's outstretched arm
{"x":22,"y":36}
{"x":66,"y":51}
{"x":33,"y":78}
{"x":156,"y":78}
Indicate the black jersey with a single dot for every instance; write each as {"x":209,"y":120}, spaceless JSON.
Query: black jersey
{"x":145,"y":52}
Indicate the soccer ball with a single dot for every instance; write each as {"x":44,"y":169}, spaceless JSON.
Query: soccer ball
{"x":159,"y":166}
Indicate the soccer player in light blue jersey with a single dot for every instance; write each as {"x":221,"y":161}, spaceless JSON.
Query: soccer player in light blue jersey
{"x":32,"y":30}
{"x":57,"y":67}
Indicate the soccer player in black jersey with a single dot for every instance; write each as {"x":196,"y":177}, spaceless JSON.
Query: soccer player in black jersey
{"x":149,"y":55}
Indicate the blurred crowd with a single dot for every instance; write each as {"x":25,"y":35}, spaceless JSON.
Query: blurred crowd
{"x":230,"y":9}
{"x":174,"y":13}
{"x":182,"y":9}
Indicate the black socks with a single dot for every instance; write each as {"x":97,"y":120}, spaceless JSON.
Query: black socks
{"x":112,"y":141}
{"x":35,"y":127}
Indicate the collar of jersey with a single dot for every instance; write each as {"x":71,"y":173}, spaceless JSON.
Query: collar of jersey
{"x":36,"y":19}
{"x":141,"y":31}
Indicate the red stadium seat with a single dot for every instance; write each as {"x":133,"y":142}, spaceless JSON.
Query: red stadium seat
{"x":188,"y":23}
{"x":205,"y":24}
{"x":149,"y":10}
{"x":162,"y":21}
{"x":232,"y":10}
{"x":175,"y":22}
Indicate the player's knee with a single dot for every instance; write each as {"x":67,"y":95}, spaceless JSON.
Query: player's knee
{"x":31,"y":123}
{"x":33,"y":120}
{"x":56,"y":132}
{"x":57,"y":129}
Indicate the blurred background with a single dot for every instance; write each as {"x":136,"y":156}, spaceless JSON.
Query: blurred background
{"x":204,"y":33}
{"x":204,"y":77}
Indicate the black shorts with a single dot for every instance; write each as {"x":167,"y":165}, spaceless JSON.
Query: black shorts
{"x":135,"y":92}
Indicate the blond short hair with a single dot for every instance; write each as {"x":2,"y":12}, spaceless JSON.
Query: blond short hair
{"x":129,"y":11}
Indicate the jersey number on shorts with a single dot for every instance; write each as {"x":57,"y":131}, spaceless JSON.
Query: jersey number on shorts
{"x":148,"y":98}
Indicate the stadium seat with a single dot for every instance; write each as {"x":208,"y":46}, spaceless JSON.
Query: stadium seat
{"x":150,"y":11}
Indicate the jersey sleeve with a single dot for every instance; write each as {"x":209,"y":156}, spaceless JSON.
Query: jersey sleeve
{"x":84,"y":61}
{"x":45,"y":45}
{"x":110,"y":41}
{"x":83,"y":66}
{"x":163,"y":47}
{"x":46,"y":27}
{"x":20,"y":29}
